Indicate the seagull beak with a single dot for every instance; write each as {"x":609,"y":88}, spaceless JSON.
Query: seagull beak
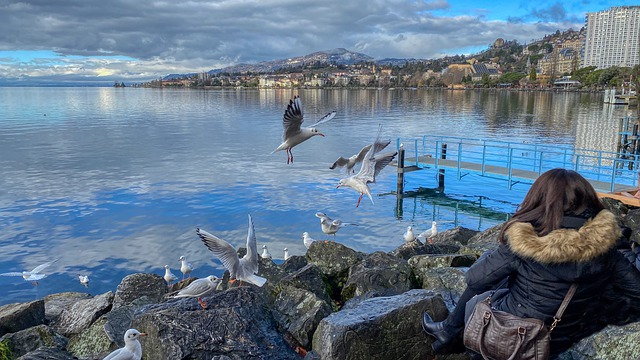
{"x":321,"y":134}
{"x":338,"y":186}
{"x":142,"y":334}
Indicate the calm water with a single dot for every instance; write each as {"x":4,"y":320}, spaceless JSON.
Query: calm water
{"x":115,"y":181}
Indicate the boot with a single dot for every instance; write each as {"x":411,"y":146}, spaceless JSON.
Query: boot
{"x":442,"y":331}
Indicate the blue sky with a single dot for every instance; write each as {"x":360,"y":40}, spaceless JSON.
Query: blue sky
{"x":80,"y":42}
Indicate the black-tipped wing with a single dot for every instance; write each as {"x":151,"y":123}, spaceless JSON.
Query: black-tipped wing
{"x":325,"y":118}
{"x":382,"y":160}
{"x":339,"y":163}
{"x":222,"y":250}
{"x":293,"y":118}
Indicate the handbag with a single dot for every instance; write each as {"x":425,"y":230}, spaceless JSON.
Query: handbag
{"x":499,"y":335}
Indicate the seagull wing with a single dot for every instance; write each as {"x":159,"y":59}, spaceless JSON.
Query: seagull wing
{"x":39,"y":268}
{"x":11,"y":274}
{"x":250,"y":260}
{"x":382,"y":160}
{"x":360,"y":156}
{"x":196,"y":288}
{"x":221,"y":249}
{"x":339,"y":163}
{"x":325,"y":118}
{"x":292,"y":118}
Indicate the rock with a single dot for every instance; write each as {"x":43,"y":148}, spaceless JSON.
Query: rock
{"x":408,"y":250}
{"x":118,"y":321}
{"x":269,"y":270}
{"x":92,"y":343}
{"x":135,"y":286}
{"x":333,"y":259}
{"x":19,"y":316}
{"x":421,"y":262}
{"x":294,"y":263}
{"x":47,"y":353}
{"x":632,"y":220}
{"x":380,"y":328}
{"x":237,"y":324}
{"x":82,"y":314}
{"x":448,"y":281}
{"x":309,"y":278}
{"x":617,"y":207}
{"x":482,"y":241}
{"x":54,"y":304}
{"x":299,"y":312}
{"x":24,"y":341}
{"x":379,"y":271}
{"x":458,"y":234}
{"x":610,"y":343}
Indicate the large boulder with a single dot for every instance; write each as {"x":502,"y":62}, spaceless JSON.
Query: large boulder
{"x":413,"y":248}
{"x":380,"y":328}
{"x":24,"y":341}
{"x":379,"y":271}
{"x":136,"y":286}
{"x":19,"y":316}
{"x":47,"y":353}
{"x":82,"y":314}
{"x":54,"y":304}
{"x":294,"y":263}
{"x":237,"y":324}
{"x":450,"y":282}
{"x":458,"y":234}
{"x":309,"y":278}
{"x":610,"y":343}
{"x":92,"y":343}
{"x":333,"y":259}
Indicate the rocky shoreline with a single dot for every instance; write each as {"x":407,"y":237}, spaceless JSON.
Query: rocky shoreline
{"x":333,"y":303}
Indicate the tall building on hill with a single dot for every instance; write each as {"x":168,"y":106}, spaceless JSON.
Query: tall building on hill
{"x":613,"y":37}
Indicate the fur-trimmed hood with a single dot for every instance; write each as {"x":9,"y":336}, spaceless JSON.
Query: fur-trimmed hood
{"x":596,"y":237}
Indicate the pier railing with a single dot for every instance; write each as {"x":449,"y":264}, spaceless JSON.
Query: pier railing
{"x":519,"y":162}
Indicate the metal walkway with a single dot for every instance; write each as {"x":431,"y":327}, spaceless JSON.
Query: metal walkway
{"x":517,"y":162}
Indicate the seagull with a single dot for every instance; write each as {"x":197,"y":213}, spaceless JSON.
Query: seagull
{"x":430,"y":233}
{"x":286,"y":254}
{"x":198,"y":288}
{"x":185,"y":267}
{"x":371,"y":166}
{"x":293,"y":134}
{"x":265,"y":253}
{"x":352,"y":161}
{"x":84,"y":280}
{"x":169,"y":277}
{"x":307,"y":239}
{"x":330,"y":226}
{"x":409,"y":236}
{"x":240,"y":269}
{"x":33,"y":275}
{"x":131,"y":350}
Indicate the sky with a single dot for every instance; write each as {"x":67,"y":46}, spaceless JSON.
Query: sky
{"x":82,"y":42}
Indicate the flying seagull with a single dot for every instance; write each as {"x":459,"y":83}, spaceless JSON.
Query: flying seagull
{"x":240,"y":269}
{"x":371,"y":166}
{"x":33,"y":275}
{"x":330,"y":226}
{"x":352,"y":161}
{"x":131,"y":350}
{"x":293,"y":134}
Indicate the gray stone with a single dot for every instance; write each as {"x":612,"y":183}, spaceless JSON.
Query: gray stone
{"x":237,"y":323}
{"x":299,"y":312}
{"x":448,"y":281}
{"x":380,"y":328}
{"x":458,"y":234}
{"x":379,"y":271}
{"x":19,"y":316}
{"x":333,"y":259}
{"x":82,"y":314}
{"x":309,"y":278}
{"x":135,"y":286}
{"x":54,"y":304}
{"x":611,"y":343}
{"x":617,"y":207}
{"x":294,"y":263}
{"x":30,"y":339}
{"x":92,"y":343}
{"x":422,"y":262}
{"x":408,"y":250}
{"x":47,"y":353}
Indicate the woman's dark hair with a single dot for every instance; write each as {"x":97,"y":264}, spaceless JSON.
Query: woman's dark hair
{"x":556,"y":193}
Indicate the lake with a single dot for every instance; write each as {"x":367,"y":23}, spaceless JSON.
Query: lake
{"x":115,"y":181}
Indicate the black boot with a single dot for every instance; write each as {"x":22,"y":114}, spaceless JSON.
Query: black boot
{"x":442,"y":331}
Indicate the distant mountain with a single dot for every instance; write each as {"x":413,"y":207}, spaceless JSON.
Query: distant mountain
{"x":338,"y":56}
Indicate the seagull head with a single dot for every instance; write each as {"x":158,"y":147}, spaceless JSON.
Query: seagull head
{"x":132,"y":334}
{"x":182,"y":258}
{"x":315,"y":132}
{"x":342,"y":182}
{"x":166,"y":267}
{"x":26,"y":275}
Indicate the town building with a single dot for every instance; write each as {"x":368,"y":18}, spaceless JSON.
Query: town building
{"x":612,"y":37}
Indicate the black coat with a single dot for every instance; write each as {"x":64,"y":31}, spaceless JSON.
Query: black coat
{"x":542,"y":268}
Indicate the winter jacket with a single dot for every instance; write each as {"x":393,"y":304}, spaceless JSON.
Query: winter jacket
{"x":541,"y":269}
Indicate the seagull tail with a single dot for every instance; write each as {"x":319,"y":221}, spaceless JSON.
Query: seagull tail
{"x":256,"y":280}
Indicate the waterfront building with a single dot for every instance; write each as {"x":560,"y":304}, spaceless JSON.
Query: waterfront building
{"x":613,"y":37}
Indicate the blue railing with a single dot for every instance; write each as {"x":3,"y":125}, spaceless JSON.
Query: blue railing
{"x":610,"y":168}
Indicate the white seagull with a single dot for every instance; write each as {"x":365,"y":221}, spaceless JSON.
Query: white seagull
{"x":330,"y":226}
{"x":430,"y":233}
{"x":409,"y":236}
{"x":293,"y":134}
{"x":241,"y":269}
{"x":307,"y":239}
{"x":265,"y":253}
{"x":371,"y":166}
{"x":186,"y":267}
{"x":198,"y":288}
{"x":33,"y":275}
{"x":286,"y":254}
{"x":169,"y":277}
{"x":84,"y":280}
{"x":131,"y":350}
{"x":352,"y":161}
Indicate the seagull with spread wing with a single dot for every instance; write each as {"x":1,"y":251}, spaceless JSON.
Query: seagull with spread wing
{"x":352,"y":161}
{"x":33,"y":275}
{"x":239,"y":269}
{"x":372,"y":164}
{"x":330,"y":226}
{"x":293,"y":133}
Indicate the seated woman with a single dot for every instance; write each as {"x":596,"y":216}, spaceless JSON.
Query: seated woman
{"x":559,"y":235}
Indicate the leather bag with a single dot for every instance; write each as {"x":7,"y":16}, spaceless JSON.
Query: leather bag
{"x":499,"y":335}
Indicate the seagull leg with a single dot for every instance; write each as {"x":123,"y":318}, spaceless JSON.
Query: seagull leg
{"x":203,"y":304}
{"x":359,"y":199}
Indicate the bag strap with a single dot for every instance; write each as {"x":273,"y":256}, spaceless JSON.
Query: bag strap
{"x":563,"y":306}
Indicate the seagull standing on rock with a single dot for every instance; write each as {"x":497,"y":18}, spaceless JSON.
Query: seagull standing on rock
{"x":307,"y":239}
{"x":131,"y":350}
{"x":239,"y":269}
{"x":265,"y":253}
{"x":198,"y":288}
{"x":430,"y":233}
{"x":293,"y":133}
{"x":286,"y":254}
{"x":169,"y":277}
{"x":186,"y":267}
{"x":409,"y":236}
